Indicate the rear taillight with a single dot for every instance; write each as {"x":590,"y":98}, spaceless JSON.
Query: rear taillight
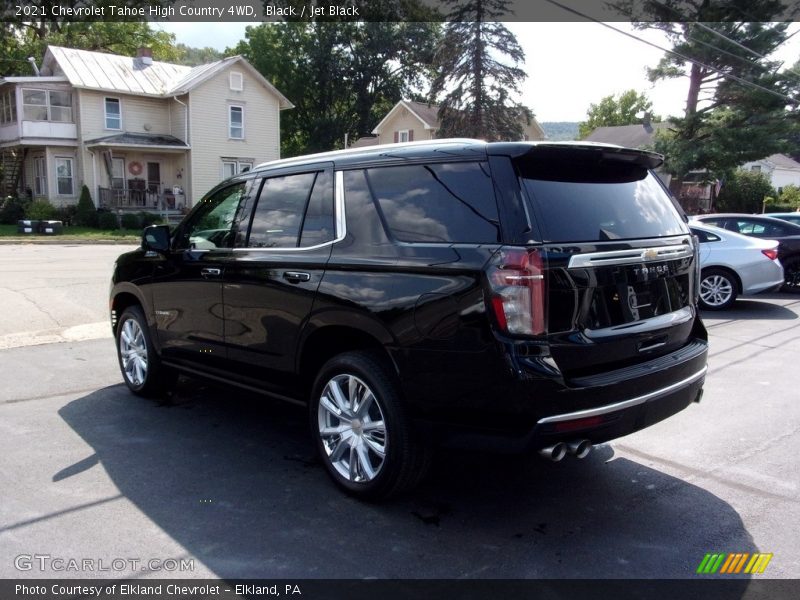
{"x":517,"y":281}
{"x":771,"y":254}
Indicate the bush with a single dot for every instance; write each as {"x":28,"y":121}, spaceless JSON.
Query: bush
{"x":41,"y":210}
{"x":131,"y":221}
{"x":150,"y":219}
{"x":107,"y":220}
{"x":86,"y":213}
{"x":744,"y":192}
{"x":12,"y":209}
{"x":790,"y":196}
{"x":66,"y":214}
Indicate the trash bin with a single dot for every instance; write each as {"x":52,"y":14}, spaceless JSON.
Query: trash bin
{"x":27,"y":226}
{"x":51,"y":227}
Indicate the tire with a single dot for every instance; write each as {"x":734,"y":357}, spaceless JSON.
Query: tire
{"x":791,"y":274}
{"x":139,"y":363}
{"x":718,"y":289}
{"x":354,"y":393}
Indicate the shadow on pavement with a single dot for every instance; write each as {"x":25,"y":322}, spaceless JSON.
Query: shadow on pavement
{"x":749,"y":309}
{"x":233,"y":478}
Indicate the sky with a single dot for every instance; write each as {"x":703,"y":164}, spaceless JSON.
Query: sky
{"x":569,"y":65}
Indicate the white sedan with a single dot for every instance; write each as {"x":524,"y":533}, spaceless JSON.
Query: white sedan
{"x":733,"y":264}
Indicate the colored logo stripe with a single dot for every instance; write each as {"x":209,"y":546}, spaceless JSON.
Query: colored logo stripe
{"x":734,"y":563}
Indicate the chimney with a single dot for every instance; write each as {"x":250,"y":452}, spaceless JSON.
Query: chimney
{"x":145,"y":55}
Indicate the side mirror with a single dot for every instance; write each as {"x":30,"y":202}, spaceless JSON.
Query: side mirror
{"x":156,"y":238}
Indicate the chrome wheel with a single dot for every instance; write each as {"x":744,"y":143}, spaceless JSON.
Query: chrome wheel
{"x":716,"y":290}
{"x":352,"y":428}
{"x":133,"y":352}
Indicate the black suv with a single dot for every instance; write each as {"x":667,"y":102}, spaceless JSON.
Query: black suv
{"x":524,"y":296}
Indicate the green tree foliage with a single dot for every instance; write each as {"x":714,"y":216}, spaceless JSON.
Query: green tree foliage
{"x":617,"y":110}
{"x":86,"y":214}
{"x":790,"y":196}
{"x":194,"y":57}
{"x":726,"y":122}
{"x":478,"y":74}
{"x":29,"y":36}
{"x":341,"y":77}
{"x":744,"y":192}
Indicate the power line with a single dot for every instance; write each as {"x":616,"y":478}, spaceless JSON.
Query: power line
{"x":683,"y":57}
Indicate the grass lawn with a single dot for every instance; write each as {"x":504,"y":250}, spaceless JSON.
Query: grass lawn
{"x":74,"y":234}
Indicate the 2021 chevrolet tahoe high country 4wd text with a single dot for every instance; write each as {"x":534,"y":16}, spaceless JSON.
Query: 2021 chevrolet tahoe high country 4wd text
{"x":532,"y":296}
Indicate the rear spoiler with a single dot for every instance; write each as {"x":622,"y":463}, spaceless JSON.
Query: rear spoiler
{"x":641,"y":158}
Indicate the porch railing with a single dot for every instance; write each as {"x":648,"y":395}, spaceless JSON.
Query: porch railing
{"x":143,"y":199}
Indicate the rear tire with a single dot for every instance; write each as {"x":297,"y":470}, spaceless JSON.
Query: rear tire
{"x":361,"y":429}
{"x":139,"y":362}
{"x":791,"y":274}
{"x":718,"y":289}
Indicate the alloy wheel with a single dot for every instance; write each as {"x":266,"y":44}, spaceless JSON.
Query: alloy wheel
{"x":716,"y":290}
{"x":133,"y":352}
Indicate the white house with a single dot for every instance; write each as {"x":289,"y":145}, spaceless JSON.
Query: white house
{"x":782,"y":170}
{"x":141,"y":134}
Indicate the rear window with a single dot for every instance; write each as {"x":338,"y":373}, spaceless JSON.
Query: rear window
{"x":589,"y":199}
{"x":450,"y":203}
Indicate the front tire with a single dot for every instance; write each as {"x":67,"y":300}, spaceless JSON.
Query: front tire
{"x":718,"y":289}
{"x":362,"y":432}
{"x":139,"y":363}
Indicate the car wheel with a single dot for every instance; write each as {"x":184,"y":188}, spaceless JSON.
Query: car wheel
{"x":362,"y":432}
{"x":791,"y":274}
{"x":717,"y":289}
{"x":140,"y":364}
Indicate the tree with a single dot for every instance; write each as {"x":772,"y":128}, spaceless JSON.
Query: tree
{"x":194,"y":57}
{"x":29,"y":36}
{"x":474,"y":87}
{"x":86,"y":213}
{"x":342,"y":77}
{"x":613,"y":110}
{"x":744,"y":192}
{"x":736,"y":103}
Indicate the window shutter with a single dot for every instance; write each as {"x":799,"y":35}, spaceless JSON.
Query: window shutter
{"x":410,"y":135}
{"x":396,"y":136}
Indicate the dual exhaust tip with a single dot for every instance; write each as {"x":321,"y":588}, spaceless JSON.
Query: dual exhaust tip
{"x":578,"y":449}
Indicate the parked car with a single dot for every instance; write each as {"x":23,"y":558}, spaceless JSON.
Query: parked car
{"x":791,"y":217}
{"x":733,"y":264}
{"x":768,"y":228}
{"x":523,"y":296}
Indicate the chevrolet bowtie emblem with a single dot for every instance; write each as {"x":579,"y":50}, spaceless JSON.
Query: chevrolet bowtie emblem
{"x":650,"y":254}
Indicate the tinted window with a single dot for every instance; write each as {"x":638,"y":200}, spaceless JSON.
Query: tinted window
{"x":704,"y":237}
{"x":318,"y":222}
{"x":278,"y":214}
{"x":437,"y":203}
{"x":215,"y":222}
{"x":591,"y":200}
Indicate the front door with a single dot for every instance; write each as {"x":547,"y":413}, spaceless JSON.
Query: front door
{"x":187,"y":295}
{"x":154,"y":177}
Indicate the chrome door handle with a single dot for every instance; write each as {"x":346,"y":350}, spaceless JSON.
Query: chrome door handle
{"x":210,"y":272}
{"x":296,"y":276}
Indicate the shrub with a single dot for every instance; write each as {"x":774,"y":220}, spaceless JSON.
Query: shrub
{"x":790,"y":196}
{"x":744,"y":192}
{"x":107,"y":220}
{"x":150,"y":219}
{"x":41,"y":210}
{"x":66,"y":214}
{"x":86,"y":213}
{"x":131,"y":221}
{"x":12,"y":209}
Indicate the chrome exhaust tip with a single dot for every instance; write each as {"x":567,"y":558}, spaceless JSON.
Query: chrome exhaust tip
{"x":555,"y":452}
{"x":580,"y":448}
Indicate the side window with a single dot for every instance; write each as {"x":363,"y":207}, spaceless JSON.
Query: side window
{"x":318,"y":225}
{"x":278,"y":215}
{"x":702,"y":236}
{"x":443,"y":203}
{"x":750,"y":228}
{"x":214,"y":224}
{"x":775,"y":231}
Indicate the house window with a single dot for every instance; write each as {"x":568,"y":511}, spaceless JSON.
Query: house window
{"x":236,"y":81}
{"x":47,"y":105}
{"x":236,"y":122}
{"x":118,"y":173}
{"x":113,"y":113}
{"x":402,"y":136}
{"x":232,"y":166}
{"x":39,"y":176}
{"x":64,"y":176}
{"x":8,"y":107}
{"x":756,"y":168}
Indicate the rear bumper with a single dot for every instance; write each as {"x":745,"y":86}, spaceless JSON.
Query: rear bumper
{"x":761,"y":277}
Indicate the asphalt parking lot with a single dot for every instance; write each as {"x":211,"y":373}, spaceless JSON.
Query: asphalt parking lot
{"x":228,"y":483}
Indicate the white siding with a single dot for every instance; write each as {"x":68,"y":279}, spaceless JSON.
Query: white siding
{"x":137,"y":113}
{"x":178,"y":118}
{"x":209,"y":128}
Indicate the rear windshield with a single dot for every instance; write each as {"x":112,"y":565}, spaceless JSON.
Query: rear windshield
{"x":586,"y":200}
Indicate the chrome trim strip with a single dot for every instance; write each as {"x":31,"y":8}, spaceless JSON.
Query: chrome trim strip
{"x":661,"y":321}
{"x":626,"y":257}
{"x":609,"y":408}
{"x":340,"y":223}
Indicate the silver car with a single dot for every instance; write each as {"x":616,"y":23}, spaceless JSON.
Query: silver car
{"x":733,"y":264}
